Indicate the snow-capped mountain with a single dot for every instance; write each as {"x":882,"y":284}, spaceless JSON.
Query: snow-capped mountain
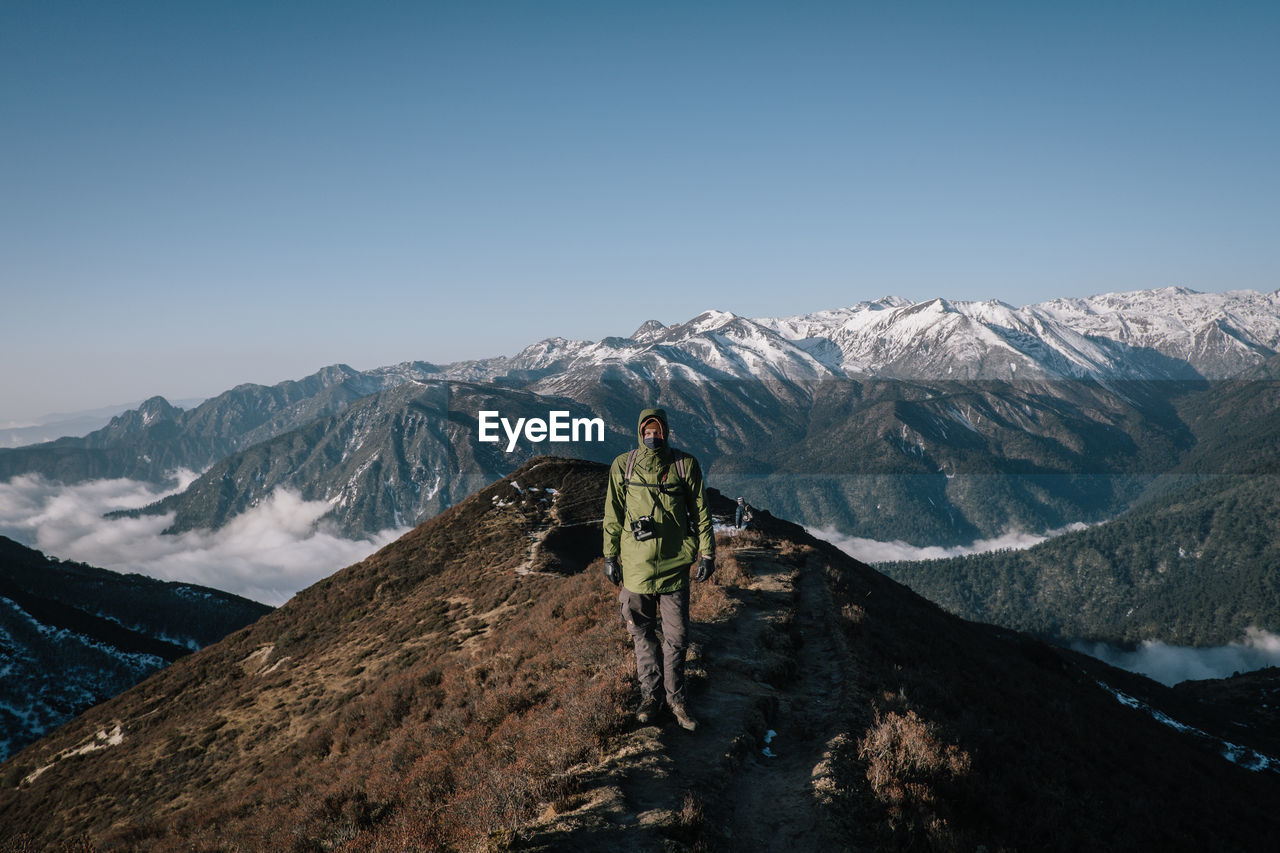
{"x":1172,"y":333}
{"x":1218,"y":334}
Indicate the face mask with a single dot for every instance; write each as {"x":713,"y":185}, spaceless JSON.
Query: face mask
{"x":653,"y":442}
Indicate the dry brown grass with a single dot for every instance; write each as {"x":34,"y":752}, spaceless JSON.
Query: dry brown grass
{"x":709,"y":601}
{"x":907,"y":765}
{"x":26,"y":844}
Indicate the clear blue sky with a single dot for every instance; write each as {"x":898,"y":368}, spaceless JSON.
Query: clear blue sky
{"x":198,"y":194}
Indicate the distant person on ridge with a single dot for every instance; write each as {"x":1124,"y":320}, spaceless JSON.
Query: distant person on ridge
{"x":656,"y":522}
{"x":743,"y":514}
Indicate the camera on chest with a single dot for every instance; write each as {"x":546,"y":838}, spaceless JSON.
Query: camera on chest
{"x":643,"y":528}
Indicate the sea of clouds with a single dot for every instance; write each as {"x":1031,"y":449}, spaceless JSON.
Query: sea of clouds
{"x":874,"y":551}
{"x":267,"y":554}
{"x":1171,"y":664}
{"x":1159,"y":661}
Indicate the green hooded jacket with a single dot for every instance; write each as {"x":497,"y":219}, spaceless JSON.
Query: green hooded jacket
{"x":679,"y":509}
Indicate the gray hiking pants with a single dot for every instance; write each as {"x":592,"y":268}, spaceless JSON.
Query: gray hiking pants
{"x":659,"y":662}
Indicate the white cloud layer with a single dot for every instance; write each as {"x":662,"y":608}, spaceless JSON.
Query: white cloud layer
{"x":1172,"y":664}
{"x":875,"y":551}
{"x":266,"y":554}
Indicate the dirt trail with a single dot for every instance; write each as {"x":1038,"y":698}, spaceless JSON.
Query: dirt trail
{"x":772,"y":664}
{"x":769,"y":801}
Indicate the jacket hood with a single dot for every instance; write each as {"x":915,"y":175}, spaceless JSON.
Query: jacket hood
{"x":660,"y":415}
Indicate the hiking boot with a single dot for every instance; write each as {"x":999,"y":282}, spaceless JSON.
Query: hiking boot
{"x":684,"y":718}
{"x":648,"y":711}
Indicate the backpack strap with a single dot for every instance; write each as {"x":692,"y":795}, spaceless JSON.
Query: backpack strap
{"x":631,"y":467}
{"x":628,"y":470}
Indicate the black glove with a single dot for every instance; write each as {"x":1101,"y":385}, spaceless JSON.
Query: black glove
{"x":706,"y":566}
{"x":612,"y":570}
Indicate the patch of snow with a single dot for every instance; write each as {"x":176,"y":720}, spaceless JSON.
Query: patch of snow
{"x":102,"y":740}
{"x":435,"y":487}
{"x":59,"y":636}
{"x":1247,"y":758}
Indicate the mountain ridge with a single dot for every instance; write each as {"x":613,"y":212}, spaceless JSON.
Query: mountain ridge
{"x":469,"y":686}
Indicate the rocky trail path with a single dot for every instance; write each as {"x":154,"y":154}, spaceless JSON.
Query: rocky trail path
{"x":772,"y":801}
{"x":766,"y":681}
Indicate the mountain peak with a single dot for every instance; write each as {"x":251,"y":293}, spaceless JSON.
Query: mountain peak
{"x":649,"y":331}
{"x":333,"y":373}
{"x":152,"y":411}
{"x":710,"y":320}
{"x":158,"y":406}
{"x":920,"y":315}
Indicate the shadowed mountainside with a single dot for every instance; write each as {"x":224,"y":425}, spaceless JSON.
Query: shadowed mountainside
{"x":470,"y":686}
{"x":73,"y":635}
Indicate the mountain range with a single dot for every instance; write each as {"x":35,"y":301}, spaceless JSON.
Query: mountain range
{"x":934,"y":423}
{"x":470,"y":687}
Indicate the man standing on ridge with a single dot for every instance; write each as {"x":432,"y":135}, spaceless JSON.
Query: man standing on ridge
{"x":656,"y":522}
